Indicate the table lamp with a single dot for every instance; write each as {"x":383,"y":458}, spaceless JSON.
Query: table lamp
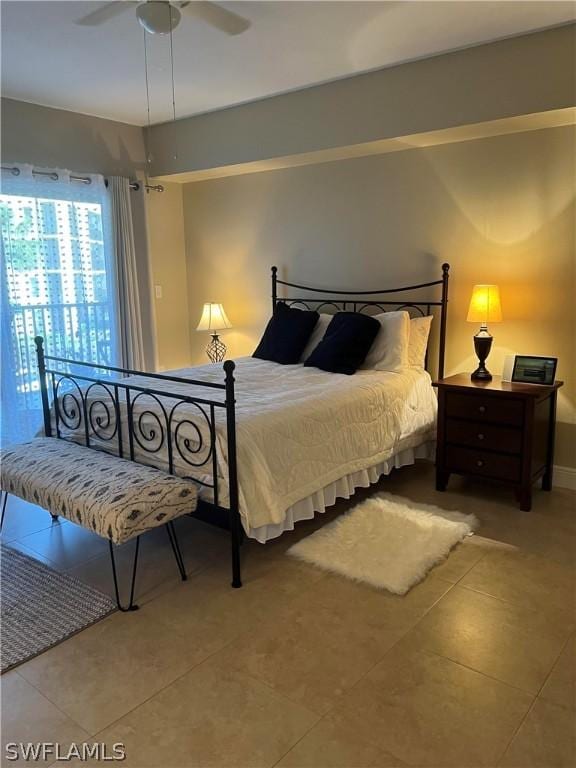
{"x":484,"y":308}
{"x":214,"y":319}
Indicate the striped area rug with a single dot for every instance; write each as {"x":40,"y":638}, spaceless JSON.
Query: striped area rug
{"x":40,"y":607}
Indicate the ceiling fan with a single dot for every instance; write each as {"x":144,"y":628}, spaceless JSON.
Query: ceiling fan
{"x":159,"y":17}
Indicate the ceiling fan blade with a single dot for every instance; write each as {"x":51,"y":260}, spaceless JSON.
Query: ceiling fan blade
{"x":104,"y":14}
{"x":217,"y":16}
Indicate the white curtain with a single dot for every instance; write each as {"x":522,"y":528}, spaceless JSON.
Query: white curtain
{"x":57,"y":281}
{"x":131,"y":342}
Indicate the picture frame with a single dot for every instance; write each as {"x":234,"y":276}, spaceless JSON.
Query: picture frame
{"x":534,"y":369}
{"x":508,"y":367}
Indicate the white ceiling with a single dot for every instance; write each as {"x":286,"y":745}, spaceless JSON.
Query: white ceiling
{"x":47,"y":59}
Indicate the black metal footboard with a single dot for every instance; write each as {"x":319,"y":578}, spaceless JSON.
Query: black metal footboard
{"x":151,"y":418}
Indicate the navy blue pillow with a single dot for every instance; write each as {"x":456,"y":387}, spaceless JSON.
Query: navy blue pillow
{"x":346,"y":343}
{"x":286,"y":335}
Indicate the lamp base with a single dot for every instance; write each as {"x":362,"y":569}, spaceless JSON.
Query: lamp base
{"x":482,"y":346}
{"x":481,"y":374}
{"x":216,"y":350}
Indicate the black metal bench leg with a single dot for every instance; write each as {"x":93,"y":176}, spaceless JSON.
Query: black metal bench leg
{"x":131,"y":605}
{"x":176,"y":549}
{"x":4,"y":502}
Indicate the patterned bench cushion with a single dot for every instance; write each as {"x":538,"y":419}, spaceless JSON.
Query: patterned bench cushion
{"x":113,"y":497}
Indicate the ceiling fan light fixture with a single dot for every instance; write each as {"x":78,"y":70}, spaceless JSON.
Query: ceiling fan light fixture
{"x":158,"y":17}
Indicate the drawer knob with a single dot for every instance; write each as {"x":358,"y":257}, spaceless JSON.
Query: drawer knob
{"x":480,"y":436}
{"x":479,"y":463}
{"x":482,"y":409}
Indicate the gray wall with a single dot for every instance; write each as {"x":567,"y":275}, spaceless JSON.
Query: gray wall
{"x":56,"y":138}
{"x":498,"y":209}
{"x":518,"y":76}
{"x":59,"y":139}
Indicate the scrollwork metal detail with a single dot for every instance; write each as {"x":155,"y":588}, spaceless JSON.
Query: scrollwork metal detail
{"x":371,"y":305}
{"x":149,"y":436}
{"x":417,"y":309}
{"x":188,"y":438}
{"x":303,"y":304}
{"x":70,"y":406}
{"x":366,"y":307}
{"x":102,"y":416}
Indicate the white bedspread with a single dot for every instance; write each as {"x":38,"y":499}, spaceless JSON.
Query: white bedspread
{"x":300,"y":429}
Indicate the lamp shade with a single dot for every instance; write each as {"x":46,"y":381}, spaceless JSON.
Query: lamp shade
{"x":213,"y":318}
{"x":485,"y":305}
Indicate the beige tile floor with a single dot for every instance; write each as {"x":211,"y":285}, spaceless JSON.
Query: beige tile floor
{"x":476,"y":666}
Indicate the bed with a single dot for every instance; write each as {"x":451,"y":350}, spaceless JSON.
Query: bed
{"x":268,"y":444}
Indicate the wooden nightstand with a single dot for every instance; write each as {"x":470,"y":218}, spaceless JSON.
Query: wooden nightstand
{"x":497,"y":430}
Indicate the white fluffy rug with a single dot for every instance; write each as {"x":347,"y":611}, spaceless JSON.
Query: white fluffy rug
{"x":387,"y":541}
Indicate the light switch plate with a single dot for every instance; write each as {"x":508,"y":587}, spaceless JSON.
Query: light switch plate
{"x":158,"y":291}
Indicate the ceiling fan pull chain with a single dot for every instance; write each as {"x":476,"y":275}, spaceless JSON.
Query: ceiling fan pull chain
{"x":175,"y":133}
{"x":147,"y":139}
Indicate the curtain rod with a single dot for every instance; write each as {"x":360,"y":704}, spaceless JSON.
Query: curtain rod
{"x":135,"y":185}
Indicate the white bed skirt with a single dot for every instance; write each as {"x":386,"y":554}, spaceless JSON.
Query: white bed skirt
{"x":343,"y":488}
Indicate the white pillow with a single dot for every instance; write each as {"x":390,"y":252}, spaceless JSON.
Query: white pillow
{"x":389,"y":352}
{"x":317,"y":335}
{"x":419,"y":332}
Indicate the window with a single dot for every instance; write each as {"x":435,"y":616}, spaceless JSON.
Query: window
{"x":76,"y":254}
{"x":51,"y":253}
{"x":97,"y":254}
{"x":34,"y":287}
{"x":54,"y":294}
{"x":49,"y":222}
{"x":100,"y":288}
{"x":94,"y":225}
{"x":73,"y":220}
{"x":55,"y":279}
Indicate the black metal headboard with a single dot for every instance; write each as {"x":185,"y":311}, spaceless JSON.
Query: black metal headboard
{"x":355,"y":301}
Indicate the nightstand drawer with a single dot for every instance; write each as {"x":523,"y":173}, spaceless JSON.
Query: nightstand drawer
{"x":480,"y":435}
{"x":503,"y":410}
{"x":475,"y":462}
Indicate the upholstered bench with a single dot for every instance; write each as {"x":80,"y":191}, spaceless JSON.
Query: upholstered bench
{"x":113,"y":497}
